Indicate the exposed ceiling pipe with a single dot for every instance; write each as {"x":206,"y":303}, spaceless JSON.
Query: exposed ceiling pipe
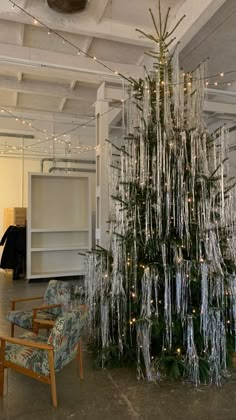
{"x":82,"y":161}
{"x":18,"y":136}
{"x":56,"y":168}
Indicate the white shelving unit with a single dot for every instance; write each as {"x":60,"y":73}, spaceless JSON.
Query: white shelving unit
{"x":59,"y":225}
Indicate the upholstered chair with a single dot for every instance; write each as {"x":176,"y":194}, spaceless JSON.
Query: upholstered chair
{"x":40,"y":357}
{"x":57,"y":296}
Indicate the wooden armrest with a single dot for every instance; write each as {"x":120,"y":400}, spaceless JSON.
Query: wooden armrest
{"x":14,"y":301}
{"x":45,"y":307}
{"x":27,"y":343}
{"x":44,"y":322}
{"x":41,"y":308}
{"x":26,"y":299}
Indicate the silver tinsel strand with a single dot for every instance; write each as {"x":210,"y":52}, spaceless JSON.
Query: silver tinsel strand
{"x":175,"y":226}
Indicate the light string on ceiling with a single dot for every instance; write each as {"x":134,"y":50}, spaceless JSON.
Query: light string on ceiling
{"x":56,"y":138}
{"x":64,"y":40}
{"x":52,"y":137}
{"x":115,"y":72}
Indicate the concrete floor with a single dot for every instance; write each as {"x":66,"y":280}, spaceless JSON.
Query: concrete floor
{"x":103,"y":394}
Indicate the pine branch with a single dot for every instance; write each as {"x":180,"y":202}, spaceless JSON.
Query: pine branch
{"x":175,"y":27}
{"x":154,"y":23}
{"x":150,"y":36}
{"x":166,"y":21}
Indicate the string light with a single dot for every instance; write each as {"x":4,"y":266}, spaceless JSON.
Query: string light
{"x":52,"y":137}
{"x":115,"y":72}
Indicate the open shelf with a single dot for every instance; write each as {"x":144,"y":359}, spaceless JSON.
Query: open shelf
{"x":59,"y":225}
{"x":60,"y":248}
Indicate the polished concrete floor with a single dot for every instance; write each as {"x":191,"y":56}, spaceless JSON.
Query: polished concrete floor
{"x":105,"y":394}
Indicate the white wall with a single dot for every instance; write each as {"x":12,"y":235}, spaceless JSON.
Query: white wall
{"x":14,"y":183}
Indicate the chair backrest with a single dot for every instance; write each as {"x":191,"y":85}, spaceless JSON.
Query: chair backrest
{"x":58,"y":292}
{"x":65,"y":336}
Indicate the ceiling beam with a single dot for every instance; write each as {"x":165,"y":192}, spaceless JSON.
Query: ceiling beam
{"x":36,"y":57}
{"x":220,"y":92}
{"x":45,"y":88}
{"x":197,"y":15}
{"x":81,"y":24}
{"x":98,"y":8}
{"x":62,"y":104}
{"x":49,"y":71}
{"x":20,"y":34}
{"x":220,"y":107}
{"x":45,"y":116}
{"x":87,"y":44}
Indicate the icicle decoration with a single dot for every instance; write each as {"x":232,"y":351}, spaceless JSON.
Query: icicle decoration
{"x":204,"y":302}
{"x":192,"y":359}
{"x":232,"y":286}
{"x":172,"y":230}
{"x":143,"y":343}
{"x":217,"y":346}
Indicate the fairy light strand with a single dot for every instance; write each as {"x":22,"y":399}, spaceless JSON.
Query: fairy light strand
{"x":94,"y":58}
{"x":84,"y":124}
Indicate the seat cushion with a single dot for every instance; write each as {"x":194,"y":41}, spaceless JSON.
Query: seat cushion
{"x":24,"y":319}
{"x":28,"y":357}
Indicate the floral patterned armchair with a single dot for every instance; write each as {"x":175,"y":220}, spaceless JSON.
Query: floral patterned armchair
{"x":58,"y":294}
{"x":40,"y":357}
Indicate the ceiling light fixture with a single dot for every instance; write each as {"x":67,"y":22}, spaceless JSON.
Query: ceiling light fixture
{"x":67,"y":6}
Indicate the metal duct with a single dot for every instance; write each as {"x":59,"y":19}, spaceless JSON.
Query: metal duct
{"x":17,"y":136}
{"x":82,"y":161}
{"x":56,"y":168}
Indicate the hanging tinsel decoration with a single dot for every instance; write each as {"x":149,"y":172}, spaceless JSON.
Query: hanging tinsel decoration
{"x":166,"y":287}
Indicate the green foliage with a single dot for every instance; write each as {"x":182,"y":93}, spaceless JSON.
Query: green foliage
{"x":110,"y":357}
{"x":171,"y":366}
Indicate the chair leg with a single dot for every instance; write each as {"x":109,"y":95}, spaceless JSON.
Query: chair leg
{"x":12,"y":329}
{"x":52,"y":378}
{"x":2,"y":356}
{"x":80,"y":360}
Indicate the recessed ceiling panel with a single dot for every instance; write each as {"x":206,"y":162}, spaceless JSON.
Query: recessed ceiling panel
{"x":7,"y":98}
{"x":81,"y":108}
{"x":116,"y":52}
{"x":45,"y":78}
{"x":38,"y":102}
{"x":38,"y":37}
{"x":136,"y":12}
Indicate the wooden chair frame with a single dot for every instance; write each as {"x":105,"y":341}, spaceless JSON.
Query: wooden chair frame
{"x":51,"y":379}
{"x":34,"y":310}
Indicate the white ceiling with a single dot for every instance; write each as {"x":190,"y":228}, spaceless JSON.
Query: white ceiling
{"x":44,"y":81}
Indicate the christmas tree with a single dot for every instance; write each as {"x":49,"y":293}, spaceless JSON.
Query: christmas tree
{"x":164,"y":293}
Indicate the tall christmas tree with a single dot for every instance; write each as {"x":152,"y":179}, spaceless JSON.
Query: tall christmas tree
{"x":165,"y":290}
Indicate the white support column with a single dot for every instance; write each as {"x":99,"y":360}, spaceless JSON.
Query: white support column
{"x":102,"y":209}
{"x":105,"y":96}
